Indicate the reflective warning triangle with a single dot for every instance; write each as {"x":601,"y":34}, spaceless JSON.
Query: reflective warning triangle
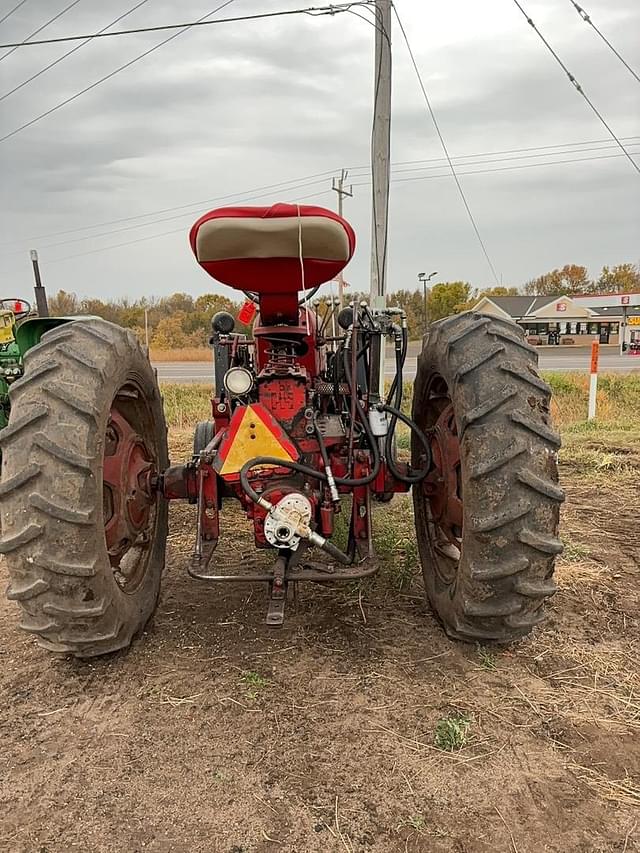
{"x":253,"y":431}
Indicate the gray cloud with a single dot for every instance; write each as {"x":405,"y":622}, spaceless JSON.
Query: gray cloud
{"x":230,"y":108}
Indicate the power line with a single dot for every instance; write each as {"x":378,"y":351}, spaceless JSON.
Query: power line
{"x":587,"y":19}
{"x":11,"y":11}
{"x":107,"y":76}
{"x":408,"y":179}
{"x":69,"y":52}
{"x":39,"y":30}
{"x":480,"y":162}
{"x":251,"y":198}
{"x":631,"y":139}
{"x":307,"y":180}
{"x":310,"y":10}
{"x":506,"y":168}
{"x":578,"y":87}
{"x":152,"y":236}
{"x":231,"y":196}
{"x":236,"y":201}
{"x":446,"y":150}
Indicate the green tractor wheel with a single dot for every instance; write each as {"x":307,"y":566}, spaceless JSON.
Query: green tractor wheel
{"x":83,"y":530}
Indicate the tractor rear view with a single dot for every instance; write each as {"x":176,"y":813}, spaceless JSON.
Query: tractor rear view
{"x":299,"y":421}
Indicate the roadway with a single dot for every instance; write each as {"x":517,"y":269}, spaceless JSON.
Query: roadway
{"x":551,"y":358}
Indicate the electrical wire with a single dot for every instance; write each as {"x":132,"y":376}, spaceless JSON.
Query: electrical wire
{"x":164,"y":219}
{"x":285,"y":185}
{"x":500,"y":169}
{"x":11,"y":11}
{"x":108,"y":76}
{"x":149,"y":237}
{"x":282,"y":185}
{"x":578,"y":87}
{"x":587,"y":19}
{"x":314,"y":11}
{"x":39,"y":30}
{"x":408,"y":179}
{"x":446,"y":150}
{"x":69,"y":52}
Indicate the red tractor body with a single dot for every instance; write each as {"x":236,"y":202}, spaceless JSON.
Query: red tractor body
{"x":300,"y":421}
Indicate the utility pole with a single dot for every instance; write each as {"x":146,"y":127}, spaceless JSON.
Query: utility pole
{"x":338,"y":186}
{"x":381,"y":161}
{"x":41,"y":293}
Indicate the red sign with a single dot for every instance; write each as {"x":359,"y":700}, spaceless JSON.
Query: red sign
{"x":595,"y":349}
{"x":625,"y":300}
{"x":247,"y":312}
{"x":561,"y":306}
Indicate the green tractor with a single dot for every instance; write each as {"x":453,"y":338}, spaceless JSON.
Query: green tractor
{"x":20,"y":329}
{"x":12,"y":311}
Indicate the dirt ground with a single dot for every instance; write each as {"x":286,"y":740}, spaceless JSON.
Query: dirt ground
{"x":215,"y":733}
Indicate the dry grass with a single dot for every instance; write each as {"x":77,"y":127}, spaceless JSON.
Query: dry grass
{"x":186,"y":354}
{"x":618,"y":403}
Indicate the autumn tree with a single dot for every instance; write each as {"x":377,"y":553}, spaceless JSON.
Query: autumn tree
{"x":446,"y":298}
{"x":64,"y":304}
{"x":571,"y":280}
{"x":489,"y":292}
{"x":412,"y":303}
{"x":623,"y":278}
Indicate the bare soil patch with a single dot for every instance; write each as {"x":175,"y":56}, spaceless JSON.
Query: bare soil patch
{"x":215,"y":733}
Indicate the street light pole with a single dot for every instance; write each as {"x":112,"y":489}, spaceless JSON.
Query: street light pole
{"x":424,"y":278}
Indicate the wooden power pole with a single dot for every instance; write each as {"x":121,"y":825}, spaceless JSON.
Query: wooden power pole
{"x":381,"y":161}
{"x":338,"y":186}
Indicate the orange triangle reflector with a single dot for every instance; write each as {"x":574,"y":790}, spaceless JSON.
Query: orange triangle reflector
{"x":253,"y":431}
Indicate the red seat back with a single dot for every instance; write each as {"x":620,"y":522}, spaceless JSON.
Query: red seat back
{"x":281,"y":249}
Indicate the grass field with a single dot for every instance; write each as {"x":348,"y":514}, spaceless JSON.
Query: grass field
{"x":618,"y":401}
{"x":186,"y":354}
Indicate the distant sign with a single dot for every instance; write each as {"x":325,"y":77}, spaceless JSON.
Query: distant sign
{"x":561,"y":306}
{"x":624,"y":300}
{"x":634,"y":321}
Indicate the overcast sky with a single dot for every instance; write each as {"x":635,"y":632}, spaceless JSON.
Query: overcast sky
{"x":224,"y":110}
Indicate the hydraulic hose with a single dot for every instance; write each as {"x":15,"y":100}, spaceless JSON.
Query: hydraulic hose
{"x":397,"y":379}
{"x":396,"y":415}
{"x":371,"y":439}
{"x":307,"y":533}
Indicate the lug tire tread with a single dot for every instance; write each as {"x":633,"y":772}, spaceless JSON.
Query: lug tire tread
{"x":52,"y":534}
{"x":510,"y":481}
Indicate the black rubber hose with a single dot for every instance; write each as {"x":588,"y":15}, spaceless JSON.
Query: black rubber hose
{"x":398,"y":376}
{"x":397,"y":415}
{"x":373,"y":444}
{"x":323,"y":450}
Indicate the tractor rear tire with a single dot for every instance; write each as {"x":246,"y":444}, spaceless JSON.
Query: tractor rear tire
{"x":487,"y":515}
{"x":85,"y":556}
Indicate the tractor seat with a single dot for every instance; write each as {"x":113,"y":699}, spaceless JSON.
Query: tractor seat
{"x":281,"y":249}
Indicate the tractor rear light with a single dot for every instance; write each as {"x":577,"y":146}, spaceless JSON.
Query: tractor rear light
{"x":238,"y":381}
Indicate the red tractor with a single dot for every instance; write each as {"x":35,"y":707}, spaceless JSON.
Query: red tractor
{"x":299,"y":420}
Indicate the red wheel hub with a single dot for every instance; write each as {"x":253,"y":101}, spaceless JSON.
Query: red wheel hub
{"x":128,"y":495}
{"x":442,"y":485}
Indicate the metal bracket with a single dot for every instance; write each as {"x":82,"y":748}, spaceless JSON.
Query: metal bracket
{"x":278,"y":590}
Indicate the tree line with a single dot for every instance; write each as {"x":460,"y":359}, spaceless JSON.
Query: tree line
{"x":180,"y":320}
